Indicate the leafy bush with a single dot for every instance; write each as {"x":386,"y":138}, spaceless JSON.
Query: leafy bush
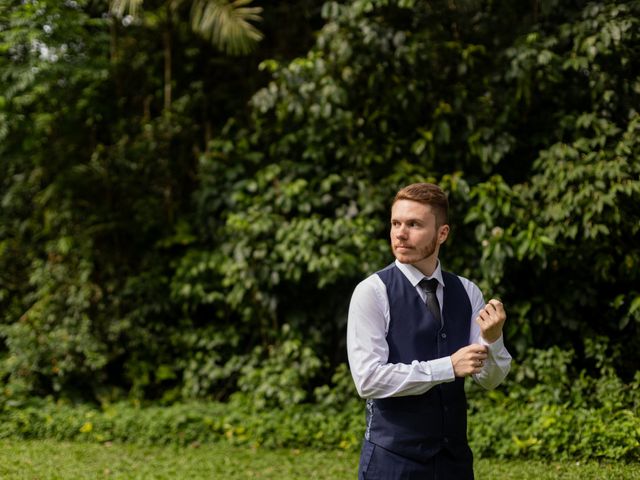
{"x":296,"y":425}
{"x":279,"y":377}
{"x":157,"y":251}
{"x":545,"y":410}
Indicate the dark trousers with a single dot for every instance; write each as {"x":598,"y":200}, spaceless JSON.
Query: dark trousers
{"x":377,"y":463}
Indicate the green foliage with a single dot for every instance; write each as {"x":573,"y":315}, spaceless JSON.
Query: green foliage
{"x":547,"y":410}
{"x":280,"y":376}
{"x":96,"y":231}
{"x":163,"y":238}
{"x":572,"y":225}
{"x":225,"y":23}
{"x":54,"y":340}
{"x":51,"y":309}
{"x":551,"y":410}
{"x":184,"y":424}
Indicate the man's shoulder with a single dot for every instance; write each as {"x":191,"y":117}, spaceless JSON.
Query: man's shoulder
{"x":469,"y":286}
{"x":373,"y":281}
{"x":466,"y":282}
{"x":371,"y":288}
{"x":385,"y":273}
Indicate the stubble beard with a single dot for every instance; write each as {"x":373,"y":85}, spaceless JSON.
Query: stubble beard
{"x":421,"y":254}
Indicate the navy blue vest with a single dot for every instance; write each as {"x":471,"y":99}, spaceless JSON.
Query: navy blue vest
{"x":418,"y":426}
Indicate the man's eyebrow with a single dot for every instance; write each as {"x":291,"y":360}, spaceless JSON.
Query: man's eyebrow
{"x":407,"y":220}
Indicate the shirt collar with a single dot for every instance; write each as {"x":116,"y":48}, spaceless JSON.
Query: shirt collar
{"x":415,"y":276}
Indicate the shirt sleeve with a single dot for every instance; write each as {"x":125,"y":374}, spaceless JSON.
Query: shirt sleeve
{"x":498,"y":363}
{"x":368,"y":351}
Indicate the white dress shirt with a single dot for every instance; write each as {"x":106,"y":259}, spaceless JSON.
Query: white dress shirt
{"x":368,"y":350}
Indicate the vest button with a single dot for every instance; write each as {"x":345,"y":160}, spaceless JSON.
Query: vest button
{"x":445,"y":440}
{"x":443,"y":335}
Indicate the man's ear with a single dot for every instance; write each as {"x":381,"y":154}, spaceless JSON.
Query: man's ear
{"x":443,"y":233}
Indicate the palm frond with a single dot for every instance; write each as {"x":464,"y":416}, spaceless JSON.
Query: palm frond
{"x":120,"y":7}
{"x":226,"y":23}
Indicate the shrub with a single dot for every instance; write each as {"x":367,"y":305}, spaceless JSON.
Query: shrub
{"x":545,"y":410}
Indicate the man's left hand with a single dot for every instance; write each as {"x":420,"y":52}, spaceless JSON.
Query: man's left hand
{"x":491,"y":320}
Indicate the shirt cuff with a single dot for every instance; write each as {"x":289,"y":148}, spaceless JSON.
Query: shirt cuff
{"x":440,"y":369}
{"x":495,"y":346}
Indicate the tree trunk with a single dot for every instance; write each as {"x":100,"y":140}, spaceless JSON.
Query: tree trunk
{"x":167,"y":38}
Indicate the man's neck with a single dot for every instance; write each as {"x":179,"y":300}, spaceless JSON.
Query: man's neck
{"x":427,"y":266}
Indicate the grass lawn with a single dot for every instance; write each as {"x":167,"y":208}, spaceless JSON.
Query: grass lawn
{"x":43,"y":460}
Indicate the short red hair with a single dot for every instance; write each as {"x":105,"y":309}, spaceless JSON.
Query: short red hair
{"x":427,"y":194}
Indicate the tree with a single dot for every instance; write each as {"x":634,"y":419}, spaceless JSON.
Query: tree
{"x":96,"y":191}
{"x":225,"y":23}
{"x":563,"y":241}
{"x":167,"y":243}
{"x":543,"y":185}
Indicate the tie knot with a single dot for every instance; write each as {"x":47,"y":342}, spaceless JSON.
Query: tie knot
{"x":429,"y":285}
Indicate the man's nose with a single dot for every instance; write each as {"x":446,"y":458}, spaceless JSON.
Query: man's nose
{"x":401,"y":232}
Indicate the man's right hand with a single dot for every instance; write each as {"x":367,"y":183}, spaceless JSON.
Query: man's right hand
{"x":469,"y":360}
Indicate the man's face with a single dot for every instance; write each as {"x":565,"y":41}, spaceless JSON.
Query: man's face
{"x":414,"y":236}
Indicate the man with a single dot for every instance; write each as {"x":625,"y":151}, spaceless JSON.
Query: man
{"x":414,"y":333}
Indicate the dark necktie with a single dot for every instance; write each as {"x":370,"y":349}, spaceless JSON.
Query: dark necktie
{"x":430,"y":287}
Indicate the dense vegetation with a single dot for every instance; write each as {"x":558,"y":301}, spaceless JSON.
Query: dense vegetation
{"x":179,"y":224}
{"x":538,"y":414}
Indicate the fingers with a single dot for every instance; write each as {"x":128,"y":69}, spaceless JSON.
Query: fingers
{"x":475,"y":350}
{"x":469,"y":360}
{"x":477,"y":366}
{"x":493,"y":307}
{"x":497,"y":306}
{"x":491,"y":320}
{"x":492,"y":313}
